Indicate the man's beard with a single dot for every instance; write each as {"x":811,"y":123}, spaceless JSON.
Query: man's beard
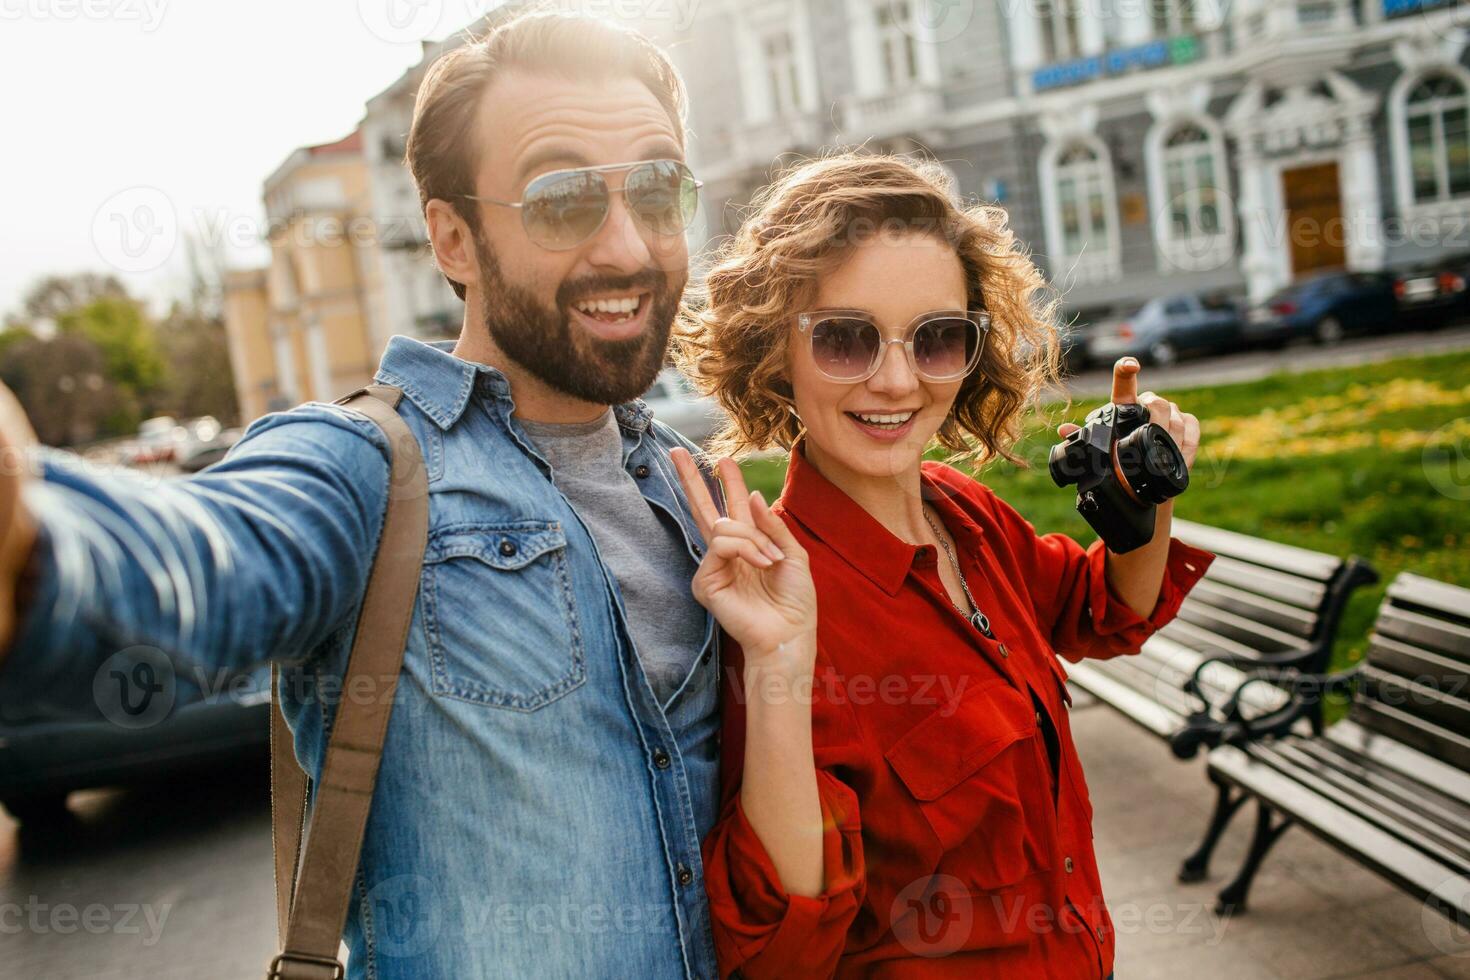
{"x":566,"y":358}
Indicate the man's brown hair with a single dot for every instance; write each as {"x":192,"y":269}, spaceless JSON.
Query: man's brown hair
{"x":442,"y":146}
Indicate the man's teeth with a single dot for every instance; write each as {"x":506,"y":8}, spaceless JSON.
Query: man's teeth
{"x":623,"y":308}
{"x":893,"y":420}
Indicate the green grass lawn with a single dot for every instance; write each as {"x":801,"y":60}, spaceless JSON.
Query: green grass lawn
{"x":1369,"y":460}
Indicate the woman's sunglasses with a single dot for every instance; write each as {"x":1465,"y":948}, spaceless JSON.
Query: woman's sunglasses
{"x":941,"y":346}
{"x":564,"y":208}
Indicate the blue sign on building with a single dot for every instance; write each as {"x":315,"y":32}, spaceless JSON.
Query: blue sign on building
{"x":1154,"y":54}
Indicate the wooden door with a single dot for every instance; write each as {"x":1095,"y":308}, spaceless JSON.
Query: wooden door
{"x":1315,"y":231}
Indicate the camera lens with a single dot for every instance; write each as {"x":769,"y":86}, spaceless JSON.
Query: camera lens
{"x":1152,"y":464}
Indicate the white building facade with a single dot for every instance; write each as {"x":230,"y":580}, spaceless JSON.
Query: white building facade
{"x":1141,"y":147}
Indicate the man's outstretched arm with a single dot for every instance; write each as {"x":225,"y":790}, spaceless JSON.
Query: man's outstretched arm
{"x":259,"y":558}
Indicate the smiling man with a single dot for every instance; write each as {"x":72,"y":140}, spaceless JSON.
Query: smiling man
{"x":549,"y":768}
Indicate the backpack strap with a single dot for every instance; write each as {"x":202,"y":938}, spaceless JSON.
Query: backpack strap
{"x":314,"y":883}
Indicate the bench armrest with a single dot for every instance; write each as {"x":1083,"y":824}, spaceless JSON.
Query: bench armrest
{"x":1229,"y":726}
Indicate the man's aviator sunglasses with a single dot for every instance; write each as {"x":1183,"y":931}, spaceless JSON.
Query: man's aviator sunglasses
{"x":941,"y":346}
{"x":564,"y":208}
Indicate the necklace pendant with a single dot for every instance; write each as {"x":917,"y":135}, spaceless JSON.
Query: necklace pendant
{"x":980,"y":622}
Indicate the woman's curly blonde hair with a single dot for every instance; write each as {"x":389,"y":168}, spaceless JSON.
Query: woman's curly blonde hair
{"x":735,"y":329}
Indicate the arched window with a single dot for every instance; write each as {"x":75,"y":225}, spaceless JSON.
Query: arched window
{"x":1193,"y":217}
{"x":1083,"y":207}
{"x":1191,"y":183}
{"x":1437,"y":120}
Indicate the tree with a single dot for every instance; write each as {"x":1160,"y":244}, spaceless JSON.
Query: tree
{"x":52,"y":296}
{"x":128,"y":342}
{"x":62,"y":385}
{"x":197,"y":350}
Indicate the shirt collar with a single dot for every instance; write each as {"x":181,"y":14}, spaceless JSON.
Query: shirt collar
{"x":843,"y":525}
{"x":440,"y":383}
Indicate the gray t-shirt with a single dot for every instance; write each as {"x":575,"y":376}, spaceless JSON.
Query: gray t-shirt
{"x":640,"y":545}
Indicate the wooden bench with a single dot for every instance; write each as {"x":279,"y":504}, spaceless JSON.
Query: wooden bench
{"x":1389,"y":786}
{"x":1262,"y":607}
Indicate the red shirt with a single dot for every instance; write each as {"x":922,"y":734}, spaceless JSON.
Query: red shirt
{"x":958,"y":829}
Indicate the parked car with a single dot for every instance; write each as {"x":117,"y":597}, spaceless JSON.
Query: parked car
{"x":1434,"y":293}
{"x":202,"y":442}
{"x":1325,"y":308}
{"x":146,"y":720}
{"x":676,"y":403}
{"x":155,"y":442}
{"x":1167,"y":328}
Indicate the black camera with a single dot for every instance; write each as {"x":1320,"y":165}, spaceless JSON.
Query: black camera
{"x":1123,"y":466}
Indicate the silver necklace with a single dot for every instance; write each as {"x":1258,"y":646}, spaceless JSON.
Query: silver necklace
{"x":977,"y":618}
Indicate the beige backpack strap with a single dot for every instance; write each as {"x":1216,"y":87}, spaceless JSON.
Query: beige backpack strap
{"x":314,"y":883}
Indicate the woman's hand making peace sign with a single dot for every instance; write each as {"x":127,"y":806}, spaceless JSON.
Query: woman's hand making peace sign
{"x":755,"y":576}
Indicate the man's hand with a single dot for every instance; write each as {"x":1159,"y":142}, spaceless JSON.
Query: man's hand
{"x":17,"y":528}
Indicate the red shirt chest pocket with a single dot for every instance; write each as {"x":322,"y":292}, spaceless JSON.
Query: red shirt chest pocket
{"x":973,"y":769}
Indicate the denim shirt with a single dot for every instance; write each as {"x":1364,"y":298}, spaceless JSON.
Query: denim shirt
{"x":537,"y":812}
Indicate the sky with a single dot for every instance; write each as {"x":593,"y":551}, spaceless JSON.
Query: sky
{"x":126,"y":125}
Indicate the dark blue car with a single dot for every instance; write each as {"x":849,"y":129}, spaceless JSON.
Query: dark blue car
{"x":1325,"y":308}
{"x":147,"y":718}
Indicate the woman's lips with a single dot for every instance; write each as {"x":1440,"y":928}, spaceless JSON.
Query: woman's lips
{"x":882,"y":433}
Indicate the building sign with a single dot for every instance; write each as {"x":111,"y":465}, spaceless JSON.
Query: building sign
{"x":1155,"y":54}
{"x":1395,"y":8}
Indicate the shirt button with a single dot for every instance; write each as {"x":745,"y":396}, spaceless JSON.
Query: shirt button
{"x":661,"y":758}
{"x":507,"y":547}
{"x":697,"y":550}
{"x":1068,"y":865}
{"x":1038,"y":721}
{"x":1003,"y":651}
{"x":684,"y":875}
{"x":640,"y":471}
{"x":1100,"y":934}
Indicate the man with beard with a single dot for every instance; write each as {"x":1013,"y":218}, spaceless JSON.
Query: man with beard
{"x":550,"y":762}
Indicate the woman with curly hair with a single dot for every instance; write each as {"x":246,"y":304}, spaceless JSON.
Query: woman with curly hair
{"x":901,"y":796}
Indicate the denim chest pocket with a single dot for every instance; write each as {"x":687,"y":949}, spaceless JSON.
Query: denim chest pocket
{"x":500,"y":616}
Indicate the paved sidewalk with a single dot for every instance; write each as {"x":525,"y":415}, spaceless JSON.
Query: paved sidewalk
{"x":1312,"y":914}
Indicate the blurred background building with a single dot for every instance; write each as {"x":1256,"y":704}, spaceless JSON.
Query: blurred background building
{"x":1141,"y":147}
